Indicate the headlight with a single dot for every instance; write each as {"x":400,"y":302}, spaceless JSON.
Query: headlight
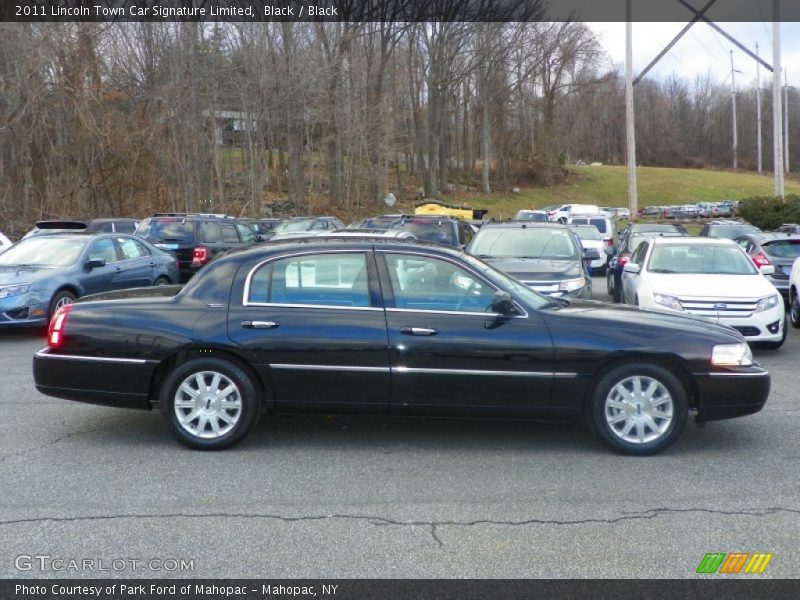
{"x":767,"y":303}
{"x":668,"y":301}
{"x":14,"y":290}
{"x":732,"y":355}
{"x":570,"y":285}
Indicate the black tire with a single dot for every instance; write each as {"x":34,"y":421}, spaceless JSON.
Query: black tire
{"x":779,"y":343}
{"x":650,"y":440}
{"x":162,"y":281}
{"x":204,"y":435}
{"x":794,"y":310}
{"x":610,"y":283}
{"x":562,"y":220}
{"x":60,"y":298}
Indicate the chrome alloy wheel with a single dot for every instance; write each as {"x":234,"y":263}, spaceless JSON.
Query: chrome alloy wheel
{"x":639,"y":409}
{"x":207,"y":404}
{"x":63,"y":301}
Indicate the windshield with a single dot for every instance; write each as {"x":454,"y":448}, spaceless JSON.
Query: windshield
{"x":502,"y":242}
{"x":170,"y":229}
{"x":705,"y":259}
{"x":294,"y":225}
{"x":516,"y":288}
{"x":44,"y":252}
{"x":732,"y":231}
{"x":587,"y":232}
{"x":783,"y":248}
{"x":430,"y":230}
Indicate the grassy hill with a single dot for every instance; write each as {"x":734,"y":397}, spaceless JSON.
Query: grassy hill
{"x":608,"y":185}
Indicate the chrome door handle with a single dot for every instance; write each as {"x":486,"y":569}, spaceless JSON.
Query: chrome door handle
{"x":418,"y":331}
{"x":259,"y":324}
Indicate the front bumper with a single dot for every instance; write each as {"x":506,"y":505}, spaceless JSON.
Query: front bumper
{"x":120,"y":382}
{"x":25,"y":310}
{"x":732,"y":393}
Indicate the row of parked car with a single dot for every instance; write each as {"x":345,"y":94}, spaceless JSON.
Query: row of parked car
{"x":59,"y":262}
{"x":695,"y":210}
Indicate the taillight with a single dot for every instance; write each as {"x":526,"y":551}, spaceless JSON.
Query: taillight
{"x":199,"y":256}
{"x":55,"y":331}
{"x":761,"y":259}
{"x":610,"y":242}
{"x":622,"y":260}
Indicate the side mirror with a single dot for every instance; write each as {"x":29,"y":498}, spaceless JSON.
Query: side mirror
{"x":94,"y":263}
{"x":632,"y":268}
{"x":767,"y":270}
{"x":591,"y":254}
{"x":503,"y":303}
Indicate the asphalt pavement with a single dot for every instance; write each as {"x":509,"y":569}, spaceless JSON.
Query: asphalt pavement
{"x":381,"y":498}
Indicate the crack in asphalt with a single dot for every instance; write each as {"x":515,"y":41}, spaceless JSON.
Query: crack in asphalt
{"x":431,"y":525}
{"x":61,"y":438}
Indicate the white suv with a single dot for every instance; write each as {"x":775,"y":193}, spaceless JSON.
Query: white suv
{"x":707,"y":277}
{"x":562,"y":213}
{"x":794,"y":293}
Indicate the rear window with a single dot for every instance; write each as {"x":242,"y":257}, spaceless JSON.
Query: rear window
{"x":601,"y":224}
{"x":783,"y":248}
{"x":442,"y":232}
{"x":167,"y":229}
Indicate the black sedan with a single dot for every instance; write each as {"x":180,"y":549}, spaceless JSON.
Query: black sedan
{"x":366,"y":325}
{"x":44,"y":272}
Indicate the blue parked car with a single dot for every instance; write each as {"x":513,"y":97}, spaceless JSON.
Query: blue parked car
{"x":41,"y":273}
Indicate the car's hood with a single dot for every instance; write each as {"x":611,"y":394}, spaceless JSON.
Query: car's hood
{"x":710,"y":286}
{"x":625,"y":314}
{"x":537,"y":269}
{"x":12,"y":274}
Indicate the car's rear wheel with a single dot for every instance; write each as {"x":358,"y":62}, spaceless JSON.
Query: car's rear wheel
{"x":794,"y":310}
{"x":59,"y":299}
{"x":638,"y":408}
{"x":209,"y":403}
{"x":161,"y":281}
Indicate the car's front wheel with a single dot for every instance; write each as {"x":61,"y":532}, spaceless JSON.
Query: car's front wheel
{"x":209,"y":403}
{"x":638,"y":408}
{"x":59,"y":299}
{"x":794,"y":310}
{"x":780,"y":342}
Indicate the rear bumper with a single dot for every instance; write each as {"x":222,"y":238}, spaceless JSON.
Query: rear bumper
{"x":733,"y":393}
{"x":120,"y":382}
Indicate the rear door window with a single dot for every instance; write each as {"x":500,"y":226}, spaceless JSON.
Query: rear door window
{"x":229,"y":234}
{"x":338,"y":280}
{"x":209,"y":232}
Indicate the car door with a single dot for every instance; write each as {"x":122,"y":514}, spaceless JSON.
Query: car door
{"x":314,"y":324}
{"x":107,"y":277}
{"x":630,"y":281}
{"x":137,"y":266}
{"x":448,"y":353}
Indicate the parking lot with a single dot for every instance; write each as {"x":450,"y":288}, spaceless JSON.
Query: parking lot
{"x":377,"y":497}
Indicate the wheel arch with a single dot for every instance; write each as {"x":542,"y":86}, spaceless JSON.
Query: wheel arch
{"x":672,"y":362}
{"x":179,"y":357}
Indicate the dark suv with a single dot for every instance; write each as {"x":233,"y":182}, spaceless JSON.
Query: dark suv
{"x":195,"y":239}
{"x":444,"y":230}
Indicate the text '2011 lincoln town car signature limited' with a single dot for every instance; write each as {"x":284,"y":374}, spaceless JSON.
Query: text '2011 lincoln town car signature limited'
{"x":365,"y":325}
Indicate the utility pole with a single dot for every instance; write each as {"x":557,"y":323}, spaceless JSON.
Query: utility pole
{"x":733,"y":100}
{"x":633,"y":203}
{"x":758,"y":110}
{"x":786,"y":120}
{"x":777,"y":112}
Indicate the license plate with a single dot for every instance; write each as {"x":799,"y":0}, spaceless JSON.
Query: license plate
{"x":167,"y":246}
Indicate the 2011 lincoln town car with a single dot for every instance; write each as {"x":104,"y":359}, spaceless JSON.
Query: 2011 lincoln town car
{"x":366,"y":325}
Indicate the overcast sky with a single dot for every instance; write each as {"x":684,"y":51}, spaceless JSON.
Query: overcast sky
{"x":702,"y":50}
